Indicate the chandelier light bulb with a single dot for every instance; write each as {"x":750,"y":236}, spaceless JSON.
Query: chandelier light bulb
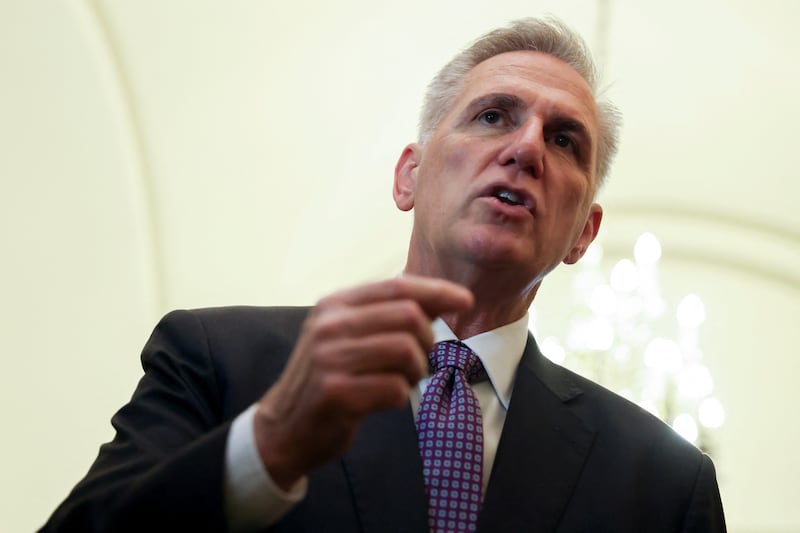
{"x":624,"y":276}
{"x":663,"y":355}
{"x":603,"y":300}
{"x":711,"y":413}
{"x":647,"y":249}
{"x":695,"y":382}
{"x":599,"y":334}
{"x":686,"y":427}
{"x":691,"y":312}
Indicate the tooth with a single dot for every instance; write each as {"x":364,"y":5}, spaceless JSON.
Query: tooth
{"x":508,"y":195}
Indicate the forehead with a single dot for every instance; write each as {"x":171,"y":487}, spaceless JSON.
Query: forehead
{"x":539,"y":79}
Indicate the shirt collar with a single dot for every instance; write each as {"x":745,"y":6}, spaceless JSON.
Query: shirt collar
{"x":499,"y":350}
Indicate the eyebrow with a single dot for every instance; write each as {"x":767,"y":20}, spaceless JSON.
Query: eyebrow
{"x":501,"y":100}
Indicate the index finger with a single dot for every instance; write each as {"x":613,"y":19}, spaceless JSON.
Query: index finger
{"x":434,"y":295}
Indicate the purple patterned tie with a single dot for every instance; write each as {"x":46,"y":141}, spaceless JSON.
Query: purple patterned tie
{"x":450,"y":429}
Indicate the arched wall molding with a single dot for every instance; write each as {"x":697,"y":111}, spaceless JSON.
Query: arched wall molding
{"x":755,"y":247}
{"x":709,"y":216}
{"x":139,"y":178}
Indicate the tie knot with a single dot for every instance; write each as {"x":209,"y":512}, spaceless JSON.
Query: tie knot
{"x":457,"y":355}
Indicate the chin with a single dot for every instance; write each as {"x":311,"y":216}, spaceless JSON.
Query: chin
{"x":488,"y":248}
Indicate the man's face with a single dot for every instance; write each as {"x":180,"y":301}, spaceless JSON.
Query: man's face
{"x":508,"y":176}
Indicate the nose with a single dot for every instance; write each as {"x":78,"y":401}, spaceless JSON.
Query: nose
{"x":526,"y":149}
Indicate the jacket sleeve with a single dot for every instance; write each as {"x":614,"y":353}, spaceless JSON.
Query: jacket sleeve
{"x":164,"y":469}
{"x":705,"y":508}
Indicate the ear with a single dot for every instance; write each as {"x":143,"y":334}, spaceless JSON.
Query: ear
{"x":588,"y":234}
{"x":405,"y":177}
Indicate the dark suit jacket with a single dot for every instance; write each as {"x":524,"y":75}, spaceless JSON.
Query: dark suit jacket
{"x":572,"y":456}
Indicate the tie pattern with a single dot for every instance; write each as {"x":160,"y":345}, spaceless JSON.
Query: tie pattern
{"x":450,"y":430}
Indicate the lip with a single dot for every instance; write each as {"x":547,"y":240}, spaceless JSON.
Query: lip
{"x":528,"y":201}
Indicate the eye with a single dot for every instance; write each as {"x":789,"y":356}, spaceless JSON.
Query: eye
{"x":491,"y":117}
{"x":563,"y":141}
{"x":567,"y":142}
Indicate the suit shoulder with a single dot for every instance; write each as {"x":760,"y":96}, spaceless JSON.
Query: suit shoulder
{"x":640,"y":474}
{"x":239,"y":319}
{"x":617,"y":416}
{"x":232,"y":333}
{"x":248,"y":313}
{"x":244,"y":348}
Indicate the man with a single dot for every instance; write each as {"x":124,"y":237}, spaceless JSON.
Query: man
{"x":304,"y":420}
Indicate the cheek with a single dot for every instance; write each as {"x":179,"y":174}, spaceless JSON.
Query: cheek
{"x":445,"y":171}
{"x":456,"y":155}
{"x":575,"y":197}
{"x":576,"y":193}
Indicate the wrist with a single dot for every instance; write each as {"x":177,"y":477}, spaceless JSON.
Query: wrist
{"x":276,"y":458}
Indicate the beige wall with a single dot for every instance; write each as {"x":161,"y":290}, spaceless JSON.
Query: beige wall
{"x":161,"y":154}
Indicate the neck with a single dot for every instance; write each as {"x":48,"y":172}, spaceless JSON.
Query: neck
{"x":500,"y":298}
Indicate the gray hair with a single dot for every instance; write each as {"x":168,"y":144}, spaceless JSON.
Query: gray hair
{"x":549,"y":36}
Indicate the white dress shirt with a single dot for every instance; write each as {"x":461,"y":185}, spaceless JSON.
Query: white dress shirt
{"x":254,"y":501}
{"x":500,"y":351}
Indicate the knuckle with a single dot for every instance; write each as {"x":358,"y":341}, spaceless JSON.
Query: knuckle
{"x":323,"y":355}
{"x":331,"y":304}
{"x":328,"y":325}
{"x":397,"y":393}
{"x":336,"y":299}
{"x":395,"y":288}
{"x":332,"y":390}
{"x":410,"y":345}
{"x":323,"y":305}
{"x":410,"y":312}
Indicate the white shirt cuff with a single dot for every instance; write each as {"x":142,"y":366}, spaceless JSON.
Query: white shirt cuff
{"x":252,"y":499}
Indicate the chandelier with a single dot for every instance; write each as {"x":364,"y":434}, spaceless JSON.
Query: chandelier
{"x":622,"y":333}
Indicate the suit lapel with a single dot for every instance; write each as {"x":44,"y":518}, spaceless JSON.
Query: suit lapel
{"x":385,"y":473}
{"x":541,"y":451}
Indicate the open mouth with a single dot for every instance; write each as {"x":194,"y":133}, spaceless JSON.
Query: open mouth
{"x":512,"y":197}
{"x":507,"y":197}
